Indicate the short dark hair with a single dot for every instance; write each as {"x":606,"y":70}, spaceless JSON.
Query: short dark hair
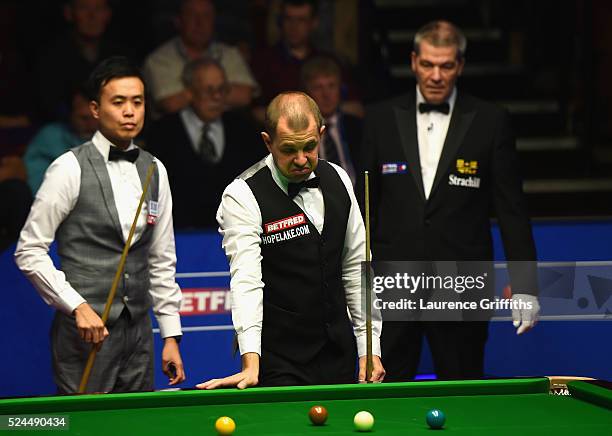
{"x":314,"y":5}
{"x":114,"y":67}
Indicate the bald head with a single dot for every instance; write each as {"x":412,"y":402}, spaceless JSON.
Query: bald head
{"x":293,"y":131}
{"x":296,"y":108}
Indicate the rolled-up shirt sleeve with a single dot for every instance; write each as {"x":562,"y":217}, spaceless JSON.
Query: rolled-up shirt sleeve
{"x":239,"y":221}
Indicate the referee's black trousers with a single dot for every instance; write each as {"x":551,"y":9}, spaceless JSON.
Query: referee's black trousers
{"x":457,"y":348}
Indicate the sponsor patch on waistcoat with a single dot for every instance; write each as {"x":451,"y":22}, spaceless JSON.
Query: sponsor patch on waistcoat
{"x":285,"y":229}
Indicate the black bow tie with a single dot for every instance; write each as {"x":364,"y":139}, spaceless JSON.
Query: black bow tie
{"x":294,"y":188}
{"x":118,"y":154}
{"x":430,"y":107}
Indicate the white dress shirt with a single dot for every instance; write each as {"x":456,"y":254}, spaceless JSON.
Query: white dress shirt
{"x":55,"y":200}
{"x":193,"y":124}
{"x":432,"y":128}
{"x":240,"y":224}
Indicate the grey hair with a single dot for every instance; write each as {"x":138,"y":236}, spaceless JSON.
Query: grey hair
{"x":199,"y":63}
{"x":441,"y":33}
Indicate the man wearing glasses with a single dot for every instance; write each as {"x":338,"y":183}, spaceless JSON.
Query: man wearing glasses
{"x":203,"y":147}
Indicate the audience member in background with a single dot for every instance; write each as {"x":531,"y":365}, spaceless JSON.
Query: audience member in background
{"x":234,"y":24}
{"x":322,"y":80}
{"x":56,"y":138}
{"x":277,"y":69}
{"x":196,"y":26}
{"x":337,"y":31}
{"x":71,"y":57}
{"x":203,"y":147}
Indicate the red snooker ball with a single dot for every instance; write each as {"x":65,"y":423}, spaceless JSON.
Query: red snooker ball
{"x":318,"y":415}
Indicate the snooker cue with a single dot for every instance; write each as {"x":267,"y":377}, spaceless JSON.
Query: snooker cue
{"x":368,"y":287}
{"x":113,"y":290}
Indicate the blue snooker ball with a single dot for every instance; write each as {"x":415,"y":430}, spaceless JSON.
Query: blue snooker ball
{"x":435,"y":418}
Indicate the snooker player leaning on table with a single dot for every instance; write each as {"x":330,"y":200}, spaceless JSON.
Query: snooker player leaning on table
{"x":295,"y":240}
{"x":87,"y":202}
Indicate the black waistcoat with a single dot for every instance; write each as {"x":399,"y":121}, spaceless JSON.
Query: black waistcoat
{"x":304,"y":299}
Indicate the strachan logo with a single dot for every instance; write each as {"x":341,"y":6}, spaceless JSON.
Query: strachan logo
{"x":469,"y":182}
{"x":467,"y":166}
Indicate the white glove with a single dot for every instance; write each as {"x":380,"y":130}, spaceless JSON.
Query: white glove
{"x":522,"y":318}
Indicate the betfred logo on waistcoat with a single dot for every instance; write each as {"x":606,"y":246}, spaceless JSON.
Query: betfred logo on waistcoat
{"x":284,"y":224}
{"x":285,"y":229}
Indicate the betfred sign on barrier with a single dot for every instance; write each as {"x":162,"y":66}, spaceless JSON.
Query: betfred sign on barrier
{"x":205,"y":301}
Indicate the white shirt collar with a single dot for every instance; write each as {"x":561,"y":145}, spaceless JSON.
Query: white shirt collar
{"x":103,"y":144}
{"x":193,"y":125}
{"x":191,"y":118}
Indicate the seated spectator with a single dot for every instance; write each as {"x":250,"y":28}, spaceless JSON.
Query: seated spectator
{"x":321,"y":79}
{"x":277,"y":69}
{"x":195,"y":23}
{"x":71,"y":57}
{"x":56,"y":138}
{"x":203,"y":147}
{"x":337,"y":31}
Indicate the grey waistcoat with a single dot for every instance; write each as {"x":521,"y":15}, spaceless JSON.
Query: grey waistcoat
{"x":90,"y":240}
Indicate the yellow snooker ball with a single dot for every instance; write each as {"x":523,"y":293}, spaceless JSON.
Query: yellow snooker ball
{"x":364,"y":421}
{"x":225,"y":425}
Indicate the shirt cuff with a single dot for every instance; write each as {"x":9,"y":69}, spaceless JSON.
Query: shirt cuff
{"x":249,"y":341}
{"x":362,"y":346}
{"x":69,"y":300}
{"x":169,"y":325}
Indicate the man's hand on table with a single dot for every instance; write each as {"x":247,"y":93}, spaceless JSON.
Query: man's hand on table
{"x":249,"y":376}
{"x":378,"y":371}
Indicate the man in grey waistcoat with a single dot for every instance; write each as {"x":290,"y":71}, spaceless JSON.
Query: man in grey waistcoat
{"x":87,"y":203}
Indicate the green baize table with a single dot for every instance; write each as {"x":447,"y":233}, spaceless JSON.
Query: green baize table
{"x":517,"y":407}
